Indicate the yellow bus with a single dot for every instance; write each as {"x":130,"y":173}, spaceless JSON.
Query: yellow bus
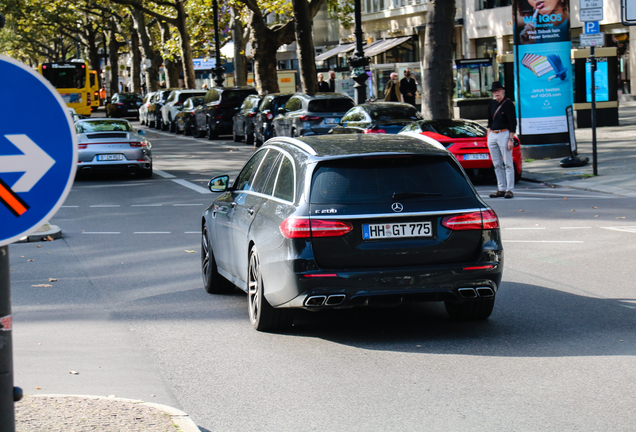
{"x":72,"y":80}
{"x":94,"y":85}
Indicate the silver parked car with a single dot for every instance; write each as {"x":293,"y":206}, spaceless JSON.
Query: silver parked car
{"x":112,"y":145}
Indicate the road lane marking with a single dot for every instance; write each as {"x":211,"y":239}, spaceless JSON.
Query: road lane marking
{"x":146,"y":205}
{"x":163,"y":174}
{"x":575,"y":228}
{"x":105,"y":205}
{"x":629,"y":229}
{"x":152,"y":232}
{"x":100,"y":232}
{"x":183,"y":205}
{"x":192,"y":232}
{"x":540,"y":241}
{"x":527,"y":228}
{"x":69,"y":206}
{"x":192,"y":186}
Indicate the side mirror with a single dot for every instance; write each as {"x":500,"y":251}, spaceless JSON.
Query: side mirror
{"x":219,"y":184}
{"x":141,"y":132}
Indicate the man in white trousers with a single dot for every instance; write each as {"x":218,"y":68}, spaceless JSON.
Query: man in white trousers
{"x":502,"y":124}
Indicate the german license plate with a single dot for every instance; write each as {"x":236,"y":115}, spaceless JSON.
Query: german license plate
{"x":397,"y":230}
{"x":477,"y":156}
{"x":110,"y":157}
{"x":132,"y":110}
{"x":334,"y":120}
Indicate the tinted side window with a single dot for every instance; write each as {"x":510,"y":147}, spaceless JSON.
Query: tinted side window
{"x":413,"y":127}
{"x":285,"y":184}
{"x":265,"y":171}
{"x":358,"y":181}
{"x":210,"y":96}
{"x":172,"y":97}
{"x":266,"y":104}
{"x":330,"y":105}
{"x":294,"y":104}
{"x":271,"y":181}
{"x":245,"y":179}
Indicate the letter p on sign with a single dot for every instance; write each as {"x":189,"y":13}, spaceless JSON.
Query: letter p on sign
{"x":591,"y":27}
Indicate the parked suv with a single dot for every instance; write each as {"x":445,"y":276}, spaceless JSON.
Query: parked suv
{"x":265,"y":115}
{"x":244,"y":119}
{"x":123,"y":105}
{"x":214,"y":117}
{"x":154,"y":108}
{"x":340,"y":221}
{"x":172,"y":106}
{"x":311,"y":114}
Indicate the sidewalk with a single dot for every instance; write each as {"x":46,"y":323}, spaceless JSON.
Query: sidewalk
{"x":616,"y":156}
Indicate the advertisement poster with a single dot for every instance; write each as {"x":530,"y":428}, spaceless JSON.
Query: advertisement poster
{"x":543,"y":71}
{"x":601,"y":80}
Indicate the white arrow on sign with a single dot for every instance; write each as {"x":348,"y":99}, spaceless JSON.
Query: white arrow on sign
{"x":34,"y":162}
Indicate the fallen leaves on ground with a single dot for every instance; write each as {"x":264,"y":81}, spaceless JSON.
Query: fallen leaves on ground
{"x":190,"y":251}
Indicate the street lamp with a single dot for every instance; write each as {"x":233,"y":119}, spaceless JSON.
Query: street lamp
{"x":219,"y":71}
{"x":358,"y":62}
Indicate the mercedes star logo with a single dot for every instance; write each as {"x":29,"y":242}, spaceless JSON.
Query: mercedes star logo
{"x":397,"y":207}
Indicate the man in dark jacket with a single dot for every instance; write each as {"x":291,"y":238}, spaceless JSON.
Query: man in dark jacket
{"x":502,"y":124}
{"x":408,"y":87}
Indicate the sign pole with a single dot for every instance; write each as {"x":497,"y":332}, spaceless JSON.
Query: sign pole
{"x":7,"y":392}
{"x":593,"y":70}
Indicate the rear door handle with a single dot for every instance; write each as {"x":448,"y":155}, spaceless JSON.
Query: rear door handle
{"x":233,"y":204}
{"x":251,"y":212}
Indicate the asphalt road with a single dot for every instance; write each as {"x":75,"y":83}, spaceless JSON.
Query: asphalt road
{"x":128,"y":312}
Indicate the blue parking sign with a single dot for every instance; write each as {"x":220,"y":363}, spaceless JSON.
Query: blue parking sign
{"x":591,"y":27}
{"x":38,"y":151}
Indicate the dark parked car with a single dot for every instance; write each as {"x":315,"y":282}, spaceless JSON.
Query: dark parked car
{"x":154,"y":109}
{"x":378,"y":117}
{"x":467,"y":141}
{"x":351,"y":220}
{"x":184,"y":120}
{"x":214,"y":116}
{"x":244,"y":119}
{"x":123,"y":105}
{"x":268,"y":109}
{"x":311,"y":114}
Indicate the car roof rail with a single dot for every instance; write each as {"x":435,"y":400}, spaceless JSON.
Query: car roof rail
{"x":296,"y":142}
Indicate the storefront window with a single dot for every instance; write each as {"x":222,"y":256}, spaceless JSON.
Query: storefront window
{"x":473,"y":77}
{"x":490,"y":4}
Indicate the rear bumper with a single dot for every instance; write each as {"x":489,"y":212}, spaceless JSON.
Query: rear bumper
{"x":383,"y":286}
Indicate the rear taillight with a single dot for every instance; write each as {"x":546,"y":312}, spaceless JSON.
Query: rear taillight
{"x":138,"y":144}
{"x":269,"y":116}
{"x":81,"y":146}
{"x":120,"y":104}
{"x":306,"y":228}
{"x":486,"y":219}
{"x":368,"y":131}
{"x":308,"y":118}
{"x":252,"y":114}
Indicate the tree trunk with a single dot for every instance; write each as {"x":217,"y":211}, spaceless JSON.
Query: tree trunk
{"x":437,"y":73}
{"x":172,"y":67}
{"x":186,"y":47}
{"x":152,"y":72}
{"x":305,"y":46}
{"x":240,"y":43}
{"x":113,"y":57}
{"x":135,"y":69}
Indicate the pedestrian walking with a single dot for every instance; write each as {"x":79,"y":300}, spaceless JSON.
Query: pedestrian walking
{"x":502,"y":124}
{"x":392,"y":89}
{"x":323,"y":86}
{"x":408,"y":87}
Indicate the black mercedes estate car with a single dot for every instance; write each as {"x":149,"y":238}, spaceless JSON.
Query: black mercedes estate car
{"x":351,"y":220}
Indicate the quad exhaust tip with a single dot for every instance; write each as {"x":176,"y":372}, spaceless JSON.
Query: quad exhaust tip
{"x":323,"y":300}
{"x":470,"y":293}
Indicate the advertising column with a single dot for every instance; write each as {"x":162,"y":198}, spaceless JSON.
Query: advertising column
{"x":543,"y":75}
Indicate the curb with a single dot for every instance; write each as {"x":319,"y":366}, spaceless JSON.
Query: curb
{"x":53,"y":231}
{"x":180,"y":419}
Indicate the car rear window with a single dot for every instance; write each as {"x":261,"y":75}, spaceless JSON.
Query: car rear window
{"x":330,"y":105}
{"x":184,"y":96}
{"x":103,"y":126}
{"x":386,"y":113}
{"x":376,"y":180}
{"x":455,"y":129}
{"x":130,"y":97}
{"x":235,"y":96}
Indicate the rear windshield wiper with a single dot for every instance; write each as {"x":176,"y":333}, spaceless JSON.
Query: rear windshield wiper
{"x":403,"y":195}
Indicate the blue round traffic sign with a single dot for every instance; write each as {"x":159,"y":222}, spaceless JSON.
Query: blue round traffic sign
{"x":38,"y":151}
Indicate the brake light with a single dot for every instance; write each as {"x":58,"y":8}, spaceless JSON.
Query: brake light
{"x":306,"y":228}
{"x":120,"y":103}
{"x":486,"y":219}
{"x":138,"y":144}
{"x":307,"y":118}
{"x":252,"y":114}
{"x":269,"y":116}
{"x":369,"y":131}
{"x":81,"y":146}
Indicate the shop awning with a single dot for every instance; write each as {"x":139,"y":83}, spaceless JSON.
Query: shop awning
{"x":334,"y":51}
{"x":385,"y":45}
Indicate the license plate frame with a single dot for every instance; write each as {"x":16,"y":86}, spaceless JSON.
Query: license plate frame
{"x":110,"y":157}
{"x":421,"y":229}
{"x":477,"y":156}
{"x":332,"y":120}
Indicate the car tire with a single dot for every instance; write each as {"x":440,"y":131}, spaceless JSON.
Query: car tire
{"x":187,"y":128}
{"x":257,"y":142}
{"x":172,"y":126}
{"x":210,"y":134}
{"x":195,"y":130}
{"x":213,"y":282}
{"x":151,"y":124}
{"x":263,"y":316}
{"x":249,"y":138}
{"x":164,"y":125}
{"x":471,"y":310}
